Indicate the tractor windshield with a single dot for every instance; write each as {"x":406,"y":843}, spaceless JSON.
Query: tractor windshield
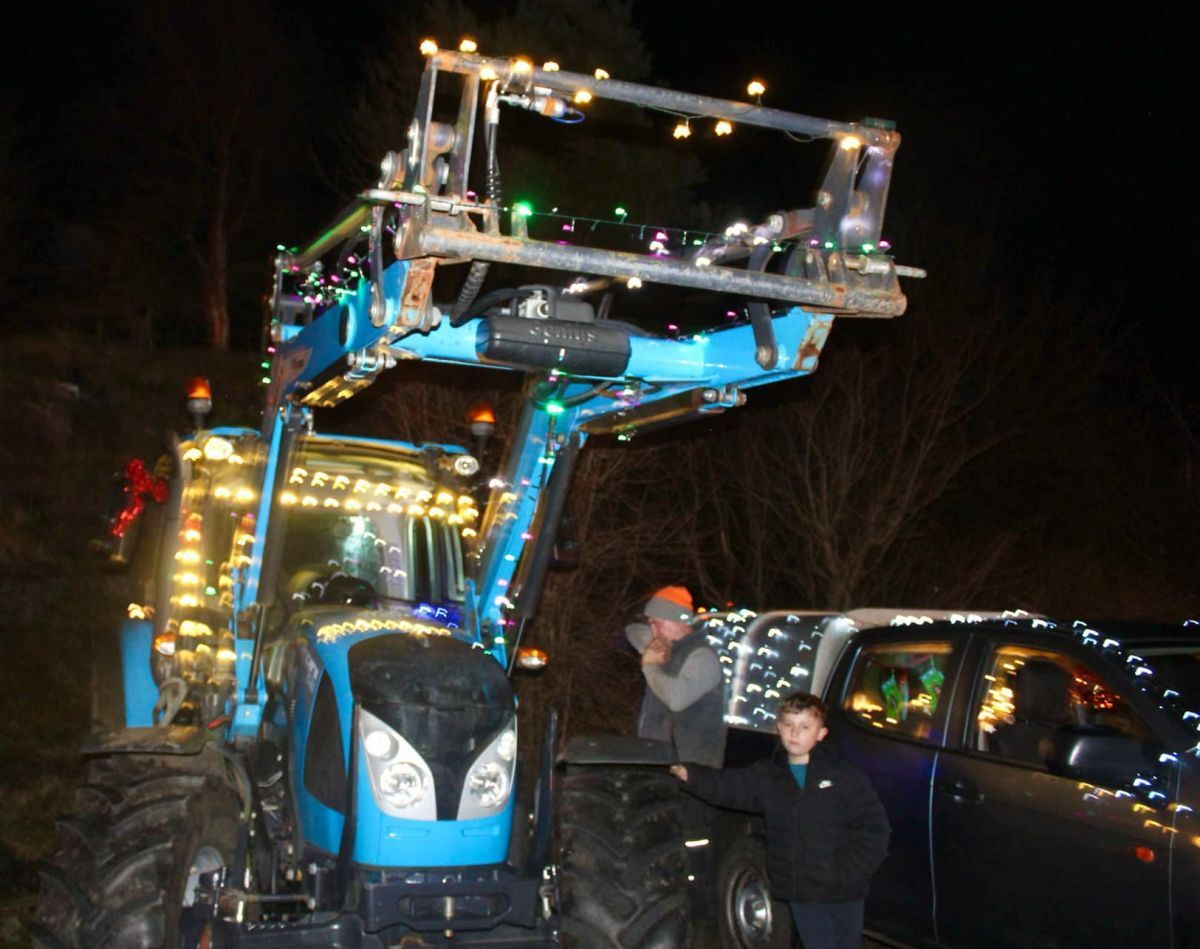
{"x":376,"y":512}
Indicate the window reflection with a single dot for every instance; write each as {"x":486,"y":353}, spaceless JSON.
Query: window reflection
{"x":897,"y":687}
{"x":1028,"y":695}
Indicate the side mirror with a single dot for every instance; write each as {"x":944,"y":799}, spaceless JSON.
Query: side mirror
{"x":1097,"y":755}
{"x":565,"y":555}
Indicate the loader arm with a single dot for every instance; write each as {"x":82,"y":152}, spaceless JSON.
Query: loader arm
{"x":586,"y":375}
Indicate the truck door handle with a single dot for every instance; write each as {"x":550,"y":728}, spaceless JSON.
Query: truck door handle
{"x":962,"y":789}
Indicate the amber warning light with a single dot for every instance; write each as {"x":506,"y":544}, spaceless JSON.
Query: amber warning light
{"x":482,"y":419}
{"x":199,"y":399}
{"x":531,"y":659}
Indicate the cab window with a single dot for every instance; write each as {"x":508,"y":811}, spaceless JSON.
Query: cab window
{"x":898,"y":688}
{"x":1027,"y":695}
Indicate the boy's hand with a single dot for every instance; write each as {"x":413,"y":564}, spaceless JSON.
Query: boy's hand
{"x":657,"y":652}
{"x":680,"y":771}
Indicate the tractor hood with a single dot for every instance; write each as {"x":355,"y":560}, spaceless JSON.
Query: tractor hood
{"x":446,"y":696}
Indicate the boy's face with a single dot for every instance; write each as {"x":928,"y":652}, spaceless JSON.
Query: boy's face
{"x":799,"y":732}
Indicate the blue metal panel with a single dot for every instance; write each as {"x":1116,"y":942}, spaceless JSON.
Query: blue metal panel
{"x":141,"y":691}
{"x":343,"y":328}
{"x":384,"y":841}
{"x":247,"y":592}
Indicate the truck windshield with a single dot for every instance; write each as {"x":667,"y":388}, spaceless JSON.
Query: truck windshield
{"x":372,"y":511}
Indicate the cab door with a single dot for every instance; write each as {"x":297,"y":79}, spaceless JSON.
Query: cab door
{"x":1027,"y":856}
{"x":887,"y":714}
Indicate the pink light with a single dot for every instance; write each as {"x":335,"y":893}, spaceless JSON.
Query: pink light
{"x":660,"y":235}
{"x":569,"y":228}
{"x":672,"y":327}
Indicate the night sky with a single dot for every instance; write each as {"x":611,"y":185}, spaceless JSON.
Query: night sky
{"x":1052,"y":133}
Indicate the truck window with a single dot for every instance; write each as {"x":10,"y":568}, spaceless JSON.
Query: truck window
{"x":1028,"y":694}
{"x":897,"y":687}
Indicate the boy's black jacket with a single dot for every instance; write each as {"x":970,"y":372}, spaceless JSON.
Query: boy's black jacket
{"x":823,"y":843}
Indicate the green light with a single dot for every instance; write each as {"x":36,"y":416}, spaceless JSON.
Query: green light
{"x":867,"y":248}
{"x":829,"y":245}
{"x":265,"y":364}
{"x":554,"y":408}
{"x":210,"y":591}
{"x":523,"y":208}
{"x":619,"y":211}
{"x":266,"y":380}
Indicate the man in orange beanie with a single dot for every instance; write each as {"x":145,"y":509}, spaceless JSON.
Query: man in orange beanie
{"x":683,"y":703}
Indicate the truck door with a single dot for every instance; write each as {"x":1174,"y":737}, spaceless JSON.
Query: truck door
{"x":887,"y":714}
{"x":1026,"y":857}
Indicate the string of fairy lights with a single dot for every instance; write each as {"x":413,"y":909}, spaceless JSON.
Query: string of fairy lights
{"x":320,"y":287}
{"x":722,"y":126}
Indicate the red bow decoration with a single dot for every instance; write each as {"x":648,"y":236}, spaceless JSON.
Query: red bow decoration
{"x":139,"y":485}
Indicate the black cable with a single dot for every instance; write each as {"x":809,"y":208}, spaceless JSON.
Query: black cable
{"x":479,"y":268}
{"x":489,"y":300}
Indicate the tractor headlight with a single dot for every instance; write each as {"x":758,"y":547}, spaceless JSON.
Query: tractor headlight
{"x":490,"y":779}
{"x":402,"y":783}
{"x":400,"y":779}
{"x":488,"y":784}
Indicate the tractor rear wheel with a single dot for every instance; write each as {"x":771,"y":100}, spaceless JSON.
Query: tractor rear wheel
{"x":622,"y":865}
{"x":131,"y":856}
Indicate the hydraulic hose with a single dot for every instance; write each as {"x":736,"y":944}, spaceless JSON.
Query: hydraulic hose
{"x":479,"y":268}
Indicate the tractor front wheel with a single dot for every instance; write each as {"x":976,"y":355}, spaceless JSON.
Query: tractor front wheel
{"x":622,"y":865}
{"x":132,"y":856}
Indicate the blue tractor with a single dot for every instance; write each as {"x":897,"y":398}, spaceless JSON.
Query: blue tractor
{"x":318,"y":741}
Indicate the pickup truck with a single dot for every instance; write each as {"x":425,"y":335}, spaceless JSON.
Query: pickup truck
{"x":1041,"y":778}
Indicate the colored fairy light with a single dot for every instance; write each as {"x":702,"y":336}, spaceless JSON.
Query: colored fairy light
{"x":554,"y":408}
{"x":682,"y":130}
{"x":601,"y":73}
{"x":673,"y":327}
{"x":428,"y":47}
{"x":550,"y":66}
{"x":523,"y":208}
{"x":756,"y":88}
{"x":724,"y":127}
{"x":660,"y":235}
{"x":487,"y":74}
{"x":522,"y":65}
{"x":868,"y":247}
{"x":620,"y":212}
{"x":583,"y":97}
{"x":467,"y":45}
{"x":850,"y":142}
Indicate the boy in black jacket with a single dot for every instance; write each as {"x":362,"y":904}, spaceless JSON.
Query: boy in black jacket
{"x":827,"y":833}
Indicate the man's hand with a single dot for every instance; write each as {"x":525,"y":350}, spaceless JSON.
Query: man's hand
{"x":657,"y":652}
{"x":680,"y":771}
